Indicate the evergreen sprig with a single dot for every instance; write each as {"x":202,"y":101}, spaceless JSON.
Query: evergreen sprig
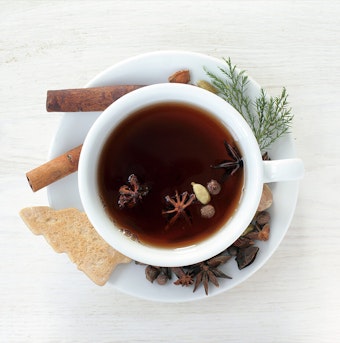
{"x":269,"y":117}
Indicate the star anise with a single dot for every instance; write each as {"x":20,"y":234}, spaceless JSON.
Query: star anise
{"x":207,"y":271}
{"x":260,"y":233}
{"x":184,"y":278}
{"x":131,"y":195}
{"x":230,"y":167}
{"x":178,"y":206}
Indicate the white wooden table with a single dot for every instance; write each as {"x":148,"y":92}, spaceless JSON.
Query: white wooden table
{"x":63,"y":44}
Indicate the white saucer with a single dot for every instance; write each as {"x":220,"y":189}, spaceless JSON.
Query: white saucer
{"x":154,"y":68}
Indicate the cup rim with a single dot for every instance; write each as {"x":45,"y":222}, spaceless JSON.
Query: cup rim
{"x":144,"y":97}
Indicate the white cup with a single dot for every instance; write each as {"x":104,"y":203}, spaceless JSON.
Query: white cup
{"x":256,"y":173}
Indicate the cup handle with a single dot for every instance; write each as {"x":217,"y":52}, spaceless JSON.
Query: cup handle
{"x":283,"y":170}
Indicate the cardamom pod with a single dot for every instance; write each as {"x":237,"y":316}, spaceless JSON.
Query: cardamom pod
{"x":207,"y":86}
{"x":202,"y":194}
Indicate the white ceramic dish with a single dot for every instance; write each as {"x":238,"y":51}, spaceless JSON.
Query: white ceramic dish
{"x":149,"y":69}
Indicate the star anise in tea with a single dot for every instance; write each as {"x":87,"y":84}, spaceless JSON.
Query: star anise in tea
{"x":177,"y":207}
{"x":207,"y":271}
{"x":233,"y":165}
{"x":130,"y":195}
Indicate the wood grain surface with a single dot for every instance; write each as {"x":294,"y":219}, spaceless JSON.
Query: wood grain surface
{"x":63,"y":44}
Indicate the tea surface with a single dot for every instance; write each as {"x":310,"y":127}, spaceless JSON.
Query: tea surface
{"x":167,"y":146}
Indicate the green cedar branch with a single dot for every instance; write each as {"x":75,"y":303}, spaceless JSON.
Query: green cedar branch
{"x":269,"y":117}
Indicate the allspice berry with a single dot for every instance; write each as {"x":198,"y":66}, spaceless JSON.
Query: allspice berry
{"x":207,"y":211}
{"x":213,"y":187}
{"x":151,"y":273}
{"x":162,"y":279}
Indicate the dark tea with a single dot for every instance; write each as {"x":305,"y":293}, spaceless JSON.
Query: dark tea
{"x":147,"y":168}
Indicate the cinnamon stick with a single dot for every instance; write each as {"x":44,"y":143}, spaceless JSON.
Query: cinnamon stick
{"x":54,"y":170}
{"x":97,"y":98}
{"x":86,"y":99}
